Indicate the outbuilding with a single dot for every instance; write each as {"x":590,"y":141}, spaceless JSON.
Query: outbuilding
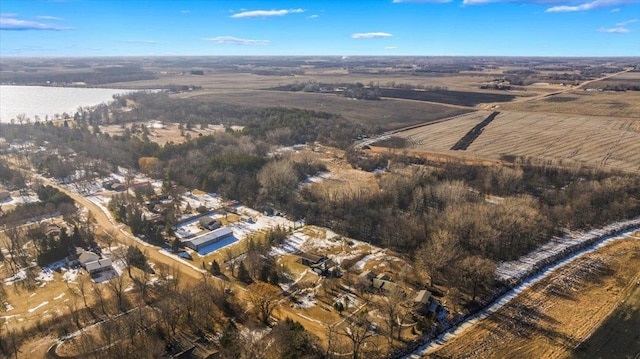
{"x":211,"y":237}
{"x":209,"y":223}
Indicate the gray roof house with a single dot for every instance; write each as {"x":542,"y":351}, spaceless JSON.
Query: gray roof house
{"x":209,"y":223}
{"x":87,"y":257}
{"x":99,"y":266}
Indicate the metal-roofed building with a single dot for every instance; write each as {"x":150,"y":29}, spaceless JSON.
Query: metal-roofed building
{"x":208,"y":238}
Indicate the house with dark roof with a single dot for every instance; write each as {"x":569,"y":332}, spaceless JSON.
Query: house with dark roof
{"x":321,"y":265}
{"x":209,"y":223}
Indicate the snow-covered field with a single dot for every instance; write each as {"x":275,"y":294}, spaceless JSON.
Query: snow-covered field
{"x":209,"y":200}
{"x":373,"y":256}
{"x":18,"y":199}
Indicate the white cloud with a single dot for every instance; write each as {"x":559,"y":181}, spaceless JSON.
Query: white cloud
{"x":11,"y":23}
{"x":185,"y":11}
{"x":390,"y":48}
{"x":265,"y":13}
{"x":314,"y":16}
{"x":562,"y":5}
{"x":422,"y":1}
{"x":625,"y":23}
{"x":45,"y":17}
{"x":236,"y":41}
{"x":371,"y":35}
{"x":616,"y":10}
{"x":614,"y":30}
{"x":596,"y":4}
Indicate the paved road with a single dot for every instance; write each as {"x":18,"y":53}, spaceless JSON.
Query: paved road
{"x":489,"y":106}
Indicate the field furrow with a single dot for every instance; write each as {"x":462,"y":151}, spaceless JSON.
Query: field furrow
{"x":594,"y":141}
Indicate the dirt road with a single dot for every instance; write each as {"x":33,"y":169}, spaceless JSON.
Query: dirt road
{"x":124,"y":237}
{"x":490,"y":106}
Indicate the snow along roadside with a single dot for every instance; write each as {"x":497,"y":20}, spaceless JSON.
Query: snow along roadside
{"x":434,"y":344}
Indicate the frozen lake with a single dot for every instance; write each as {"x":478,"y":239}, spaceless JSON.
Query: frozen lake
{"x":44,"y":101}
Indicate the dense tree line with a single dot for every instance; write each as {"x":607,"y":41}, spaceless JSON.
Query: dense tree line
{"x":51,"y":201}
{"x":459,"y":220}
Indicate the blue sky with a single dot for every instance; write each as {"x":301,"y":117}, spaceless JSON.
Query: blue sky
{"x":316,"y":27}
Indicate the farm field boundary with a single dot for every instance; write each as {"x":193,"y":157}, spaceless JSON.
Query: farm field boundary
{"x":547,"y":266}
{"x":475,"y":132}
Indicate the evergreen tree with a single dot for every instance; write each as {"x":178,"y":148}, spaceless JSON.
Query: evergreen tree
{"x":243,"y":274}
{"x":215,"y":268}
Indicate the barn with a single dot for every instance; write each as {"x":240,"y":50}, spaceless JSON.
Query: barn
{"x":214,"y":236}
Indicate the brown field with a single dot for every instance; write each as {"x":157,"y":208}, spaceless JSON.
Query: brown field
{"x":244,"y":81}
{"x":610,"y":143}
{"x":592,"y":103}
{"x":170,"y":132}
{"x":554,"y":318}
{"x":389,"y":114}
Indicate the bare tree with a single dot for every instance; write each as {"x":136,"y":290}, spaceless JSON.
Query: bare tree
{"x":100,"y":296}
{"x":264,"y":298}
{"x":394,"y":307}
{"x":432,"y":256}
{"x":358,"y":331}
{"x":477,"y":272}
{"x":117,"y":286}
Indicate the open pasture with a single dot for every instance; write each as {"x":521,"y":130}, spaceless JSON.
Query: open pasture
{"x":591,"y":103}
{"x":388,"y":114}
{"x":609,"y":143}
{"x":229,"y":80}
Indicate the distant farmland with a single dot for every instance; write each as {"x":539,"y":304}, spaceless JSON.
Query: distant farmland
{"x":591,"y":103}
{"x":458,"y":98}
{"x":461,"y":98}
{"x":596,"y":141}
{"x":388,"y":114}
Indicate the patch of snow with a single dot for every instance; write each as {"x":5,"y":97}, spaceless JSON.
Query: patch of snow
{"x":8,"y":307}
{"x":525,"y":265}
{"x":503,"y":300}
{"x":339,"y":258}
{"x":21,"y":275}
{"x":45,"y":276}
{"x":31,"y":310}
{"x":59,"y":296}
{"x":291,"y":244}
{"x":306,"y":299}
{"x":361,"y":263}
{"x":55,"y":265}
{"x":70,"y":275}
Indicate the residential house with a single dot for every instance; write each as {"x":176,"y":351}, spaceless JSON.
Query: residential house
{"x":320,"y":264}
{"x":99,"y":266}
{"x":209,"y":223}
{"x":383,"y":283}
